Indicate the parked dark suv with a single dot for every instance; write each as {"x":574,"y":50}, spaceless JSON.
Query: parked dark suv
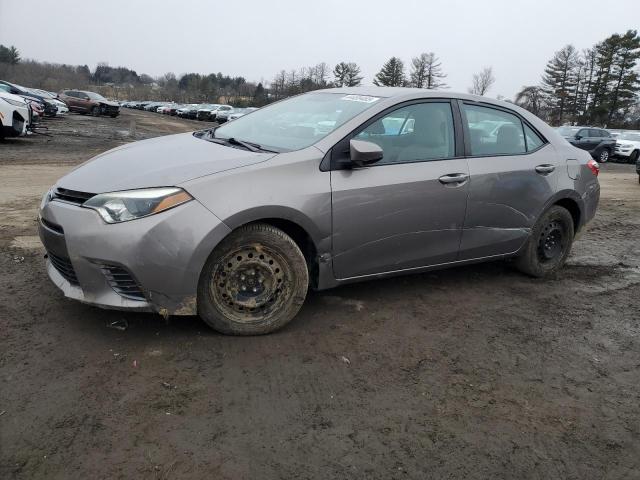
{"x":598,"y":142}
{"x":89,"y":102}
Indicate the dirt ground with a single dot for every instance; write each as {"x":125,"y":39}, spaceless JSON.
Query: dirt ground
{"x":470,"y":373}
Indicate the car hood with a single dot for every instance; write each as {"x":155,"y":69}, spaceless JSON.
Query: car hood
{"x":158,"y":162}
{"x":110,"y":103}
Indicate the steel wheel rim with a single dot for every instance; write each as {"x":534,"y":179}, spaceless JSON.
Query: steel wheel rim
{"x":551,"y":243}
{"x":250,"y":283}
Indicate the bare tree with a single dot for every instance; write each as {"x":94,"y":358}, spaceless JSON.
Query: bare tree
{"x":482,"y":81}
{"x":531,"y":98}
{"x":426,"y":72}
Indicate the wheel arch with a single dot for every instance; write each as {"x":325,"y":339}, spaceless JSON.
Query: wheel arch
{"x":571,"y":201}
{"x":294,"y":223}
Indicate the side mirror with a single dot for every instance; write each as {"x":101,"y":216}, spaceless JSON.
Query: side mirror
{"x":363,"y":153}
{"x":578,"y":137}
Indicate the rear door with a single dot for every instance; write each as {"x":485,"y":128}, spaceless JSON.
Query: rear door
{"x":584,"y":142}
{"x":407,"y":210}
{"x":70,"y":99}
{"x":513,"y":174}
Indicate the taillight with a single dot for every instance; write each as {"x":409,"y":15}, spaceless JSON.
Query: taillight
{"x":594,"y":167}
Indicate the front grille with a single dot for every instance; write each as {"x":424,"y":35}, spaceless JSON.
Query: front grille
{"x":71,"y":196}
{"x":64,"y":267}
{"x":122,"y":282}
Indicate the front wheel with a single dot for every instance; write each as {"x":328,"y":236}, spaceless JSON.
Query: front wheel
{"x":603,"y":157}
{"x":95,"y":111}
{"x":633,"y":158}
{"x":549,"y":244}
{"x":254,"y":282}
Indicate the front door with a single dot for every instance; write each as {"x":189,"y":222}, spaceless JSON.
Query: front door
{"x":513,"y":173}
{"x":407,"y":210}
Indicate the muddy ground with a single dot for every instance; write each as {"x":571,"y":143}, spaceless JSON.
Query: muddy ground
{"x":475,"y":372}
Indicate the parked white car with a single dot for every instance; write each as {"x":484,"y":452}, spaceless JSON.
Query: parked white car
{"x":60,"y":105}
{"x":240,"y":112}
{"x":14,"y":115}
{"x":218,"y":110}
{"x":628,"y":146}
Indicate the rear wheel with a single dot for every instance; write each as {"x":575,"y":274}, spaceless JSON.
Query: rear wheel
{"x":254,"y":282}
{"x":549,"y":244}
{"x":603,"y":156}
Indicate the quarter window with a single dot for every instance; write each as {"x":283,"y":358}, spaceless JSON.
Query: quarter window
{"x":533,"y":139}
{"x":494,"y":132}
{"x":415,"y":133}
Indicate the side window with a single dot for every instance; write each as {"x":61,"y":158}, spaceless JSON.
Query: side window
{"x":584,"y":133}
{"x":594,"y":133}
{"x":605,"y":134}
{"x":494,"y":132}
{"x":533,"y":139}
{"x":419,"y":132}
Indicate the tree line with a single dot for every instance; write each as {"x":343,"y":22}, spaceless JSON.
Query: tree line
{"x":596,"y":86}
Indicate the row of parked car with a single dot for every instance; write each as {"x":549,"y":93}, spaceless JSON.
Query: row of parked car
{"x":212,"y":112}
{"x":23,"y":108}
{"x":604,"y":145}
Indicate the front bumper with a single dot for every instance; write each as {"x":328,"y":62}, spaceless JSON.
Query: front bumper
{"x":162,"y":255}
{"x":19,"y":123}
{"x":623,"y":152}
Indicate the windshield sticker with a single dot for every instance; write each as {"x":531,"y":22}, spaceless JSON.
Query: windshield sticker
{"x":360,"y":98}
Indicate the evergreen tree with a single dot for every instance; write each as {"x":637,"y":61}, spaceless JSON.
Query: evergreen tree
{"x":9,"y":55}
{"x":426,"y":72}
{"x":625,"y":81}
{"x":353,"y":77}
{"x":391,"y":74}
{"x":347,"y":75}
{"x":559,"y":81}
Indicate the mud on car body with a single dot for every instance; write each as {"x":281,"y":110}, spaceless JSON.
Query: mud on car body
{"x":236,"y":222}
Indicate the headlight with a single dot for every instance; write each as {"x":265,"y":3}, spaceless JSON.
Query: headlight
{"x":46,"y":198}
{"x":119,"y":207}
{"x":14,"y":102}
{"x":624,"y":145}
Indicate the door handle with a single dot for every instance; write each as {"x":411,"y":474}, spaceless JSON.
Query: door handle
{"x":453,"y":178}
{"x":545,"y":169}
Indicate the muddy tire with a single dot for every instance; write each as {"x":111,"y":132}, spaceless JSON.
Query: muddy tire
{"x":549,"y":244}
{"x":253,"y":283}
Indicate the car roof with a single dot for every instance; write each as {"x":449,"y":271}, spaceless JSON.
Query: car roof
{"x":410,"y":93}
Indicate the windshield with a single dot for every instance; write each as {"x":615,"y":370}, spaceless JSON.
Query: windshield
{"x":568,"y":131}
{"x":634,"y":137}
{"x":297,"y":122}
{"x":95,"y":96}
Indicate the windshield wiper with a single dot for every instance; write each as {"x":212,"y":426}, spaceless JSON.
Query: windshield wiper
{"x":253,"y":147}
{"x":248,"y":146}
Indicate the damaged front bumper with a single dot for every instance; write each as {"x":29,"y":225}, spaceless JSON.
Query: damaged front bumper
{"x":150,"y":264}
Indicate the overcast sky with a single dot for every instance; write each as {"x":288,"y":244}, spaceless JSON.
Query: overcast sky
{"x":256,"y":39}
